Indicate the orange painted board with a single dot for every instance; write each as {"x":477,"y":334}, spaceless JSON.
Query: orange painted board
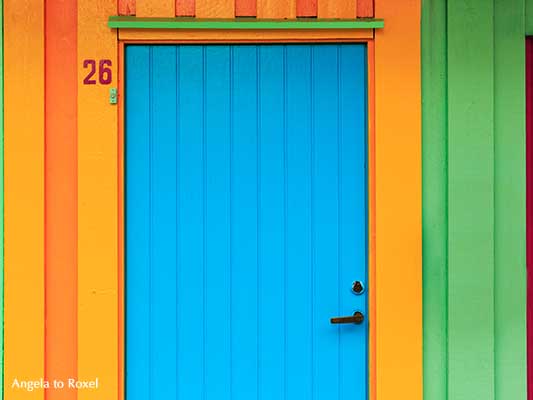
{"x":97,"y":204}
{"x":276,"y":9}
{"x":306,"y":8}
{"x":337,"y":9}
{"x":365,"y":8}
{"x":215,"y":8}
{"x":185,"y":8}
{"x":372,"y":217}
{"x":398,"y":202}
{"x":126,"y":7}
{"x":245,"y":8}
{"x":233,"y":36}
{"x":156,"y":8}
{"x":61,"y":196}
{"x":121,"y":227}
{"x":24,"y":195}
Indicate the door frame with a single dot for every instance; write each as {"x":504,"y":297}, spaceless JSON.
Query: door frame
{"x":394,"y":211}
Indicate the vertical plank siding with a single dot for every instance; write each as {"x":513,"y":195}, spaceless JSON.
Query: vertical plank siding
{"x":185,"y":8}
{"x":398,"y":157}
{"x":474,"y":200}
{"x":24,"y":194}
{"x":529,"y":208}
{"x":61,"y":189}
{"x":248,"y":8}
{"x":97,"y":206}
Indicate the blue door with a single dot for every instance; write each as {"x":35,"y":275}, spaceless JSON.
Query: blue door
{"x":246,"y":222}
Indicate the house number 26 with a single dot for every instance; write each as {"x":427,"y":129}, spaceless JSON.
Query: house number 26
{"x":105,"y":74}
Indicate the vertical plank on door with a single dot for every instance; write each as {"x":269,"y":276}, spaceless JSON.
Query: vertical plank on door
{"x":163,"y":233}
{"x":510,"y":209}
{"x":299,"y":273}
{"x":217,"y":126}
{"x":325,"y":217}
{"x":61,"y":188}
{"x":24,"y":194}
{"x":191,"y":217}
{"x":156,"y":8}
{"x":271,"y":296}
{"x":126,"y":7}
{"x":215,"y":8}
{"x":97,"y":205}
{"x":137,"y":209}
{"x":471,"y":199}
{"x":306,"y":8}
{"x":365,"y":8}
{"x":245,"y":8}
{"x":185,"y":8}
{"x":352,"y":211}
{"x":337,"y":9}
{"x":282,"y":9}
{"x":244,"y":227}
{"x":435,"y":196}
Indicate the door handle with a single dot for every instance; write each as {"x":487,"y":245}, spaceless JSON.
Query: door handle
{"x":357,"y":318}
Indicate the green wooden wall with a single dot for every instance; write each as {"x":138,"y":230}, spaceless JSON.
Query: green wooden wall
{"x":473,"y":78}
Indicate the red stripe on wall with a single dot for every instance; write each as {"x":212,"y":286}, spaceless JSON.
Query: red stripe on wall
{"x":126,"y":7}
{"x":306,"y":8}
{"x":185,"y":8}
{"x":245,"y":8}
{"x":365,"y":8}
{"x":529,"y":203}
{"x":61,"y":195}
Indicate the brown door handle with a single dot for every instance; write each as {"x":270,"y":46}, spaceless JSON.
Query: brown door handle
{"x":357,"y":318}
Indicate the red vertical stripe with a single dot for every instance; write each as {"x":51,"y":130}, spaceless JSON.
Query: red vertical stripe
{"x":306,"y":8}
{"x":365,"y":8}
{"x":126,"y":7}
{"x":529,"y":203}
{"x":61,"y":194}
{"x":245,"y":8}
{"x":185,"y":8}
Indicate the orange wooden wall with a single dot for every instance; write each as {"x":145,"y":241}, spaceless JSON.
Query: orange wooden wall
{"x":248,"y":8}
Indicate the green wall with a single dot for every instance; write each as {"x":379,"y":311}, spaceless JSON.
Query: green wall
{"x":473,"y":82}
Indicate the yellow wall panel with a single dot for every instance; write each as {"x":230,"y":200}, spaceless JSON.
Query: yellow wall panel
{"x":337,"y":9}
{"x":276,"y":8}
{"x":97,"y":205}
{"x":24,"y":195}
{"x":398,"y":202}
{"x":155,"y":8}
{"x":215,"y":8}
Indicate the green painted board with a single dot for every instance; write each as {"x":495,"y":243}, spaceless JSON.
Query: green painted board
{"x":470,"y":200}
{"x":529,"y":17}
{"x":434,"y":198}
{"x":509,"y":201}
{"x":241,"y":23}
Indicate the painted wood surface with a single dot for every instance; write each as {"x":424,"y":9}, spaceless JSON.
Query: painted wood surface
{"x":2,"y":196}
{"x":249,"y":8}
{"x":474,"y":193}
{"x":127,"y":7}
{"x":365,"y":8}
{"x":185,"y":8}
{"x":24,"y":194}
{"x":435,"y":199}
{"x":529,"y":208}
{"x":215,"y":8}
{"x":156,"y":8}
{"x":245,"y":8}
{"x":306,"y":8}
{"x":97,"y":206}
{"x":337,"y":9}
{"x":398,"y":159}
{"x":272,"y":204}
{"x":61,"y":186}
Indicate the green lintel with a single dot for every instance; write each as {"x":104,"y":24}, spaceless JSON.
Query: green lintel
{"x":242,"y":23}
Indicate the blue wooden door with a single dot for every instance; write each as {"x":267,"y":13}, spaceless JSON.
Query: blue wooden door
{"x":246,"y":222}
